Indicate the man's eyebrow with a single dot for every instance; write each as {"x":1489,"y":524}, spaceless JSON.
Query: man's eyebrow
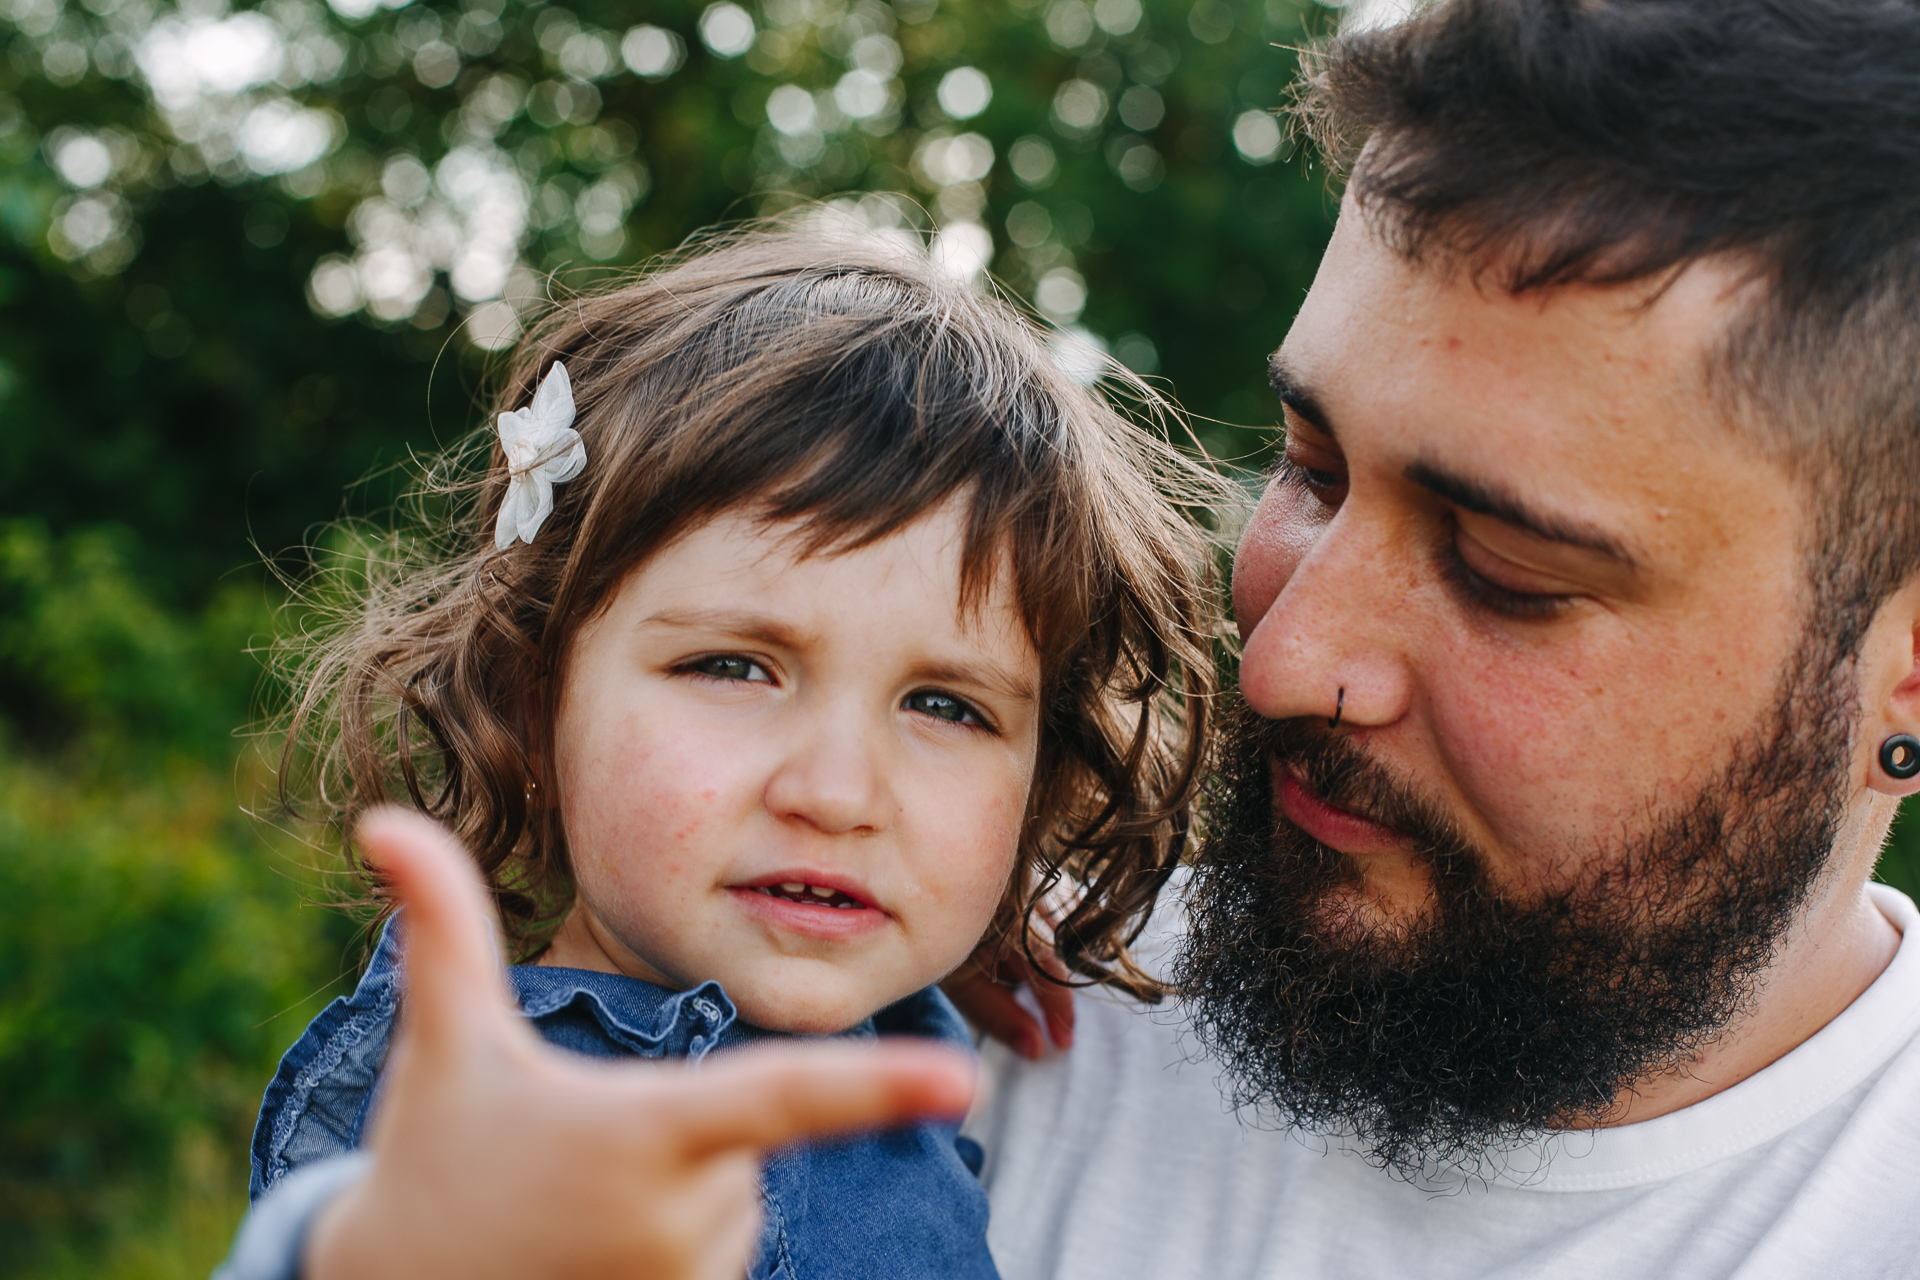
{"x":1487,"y":500}
{"x":1294,"y":395}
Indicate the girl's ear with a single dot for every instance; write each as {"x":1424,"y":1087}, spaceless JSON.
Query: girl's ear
{"x":1894,"y":726}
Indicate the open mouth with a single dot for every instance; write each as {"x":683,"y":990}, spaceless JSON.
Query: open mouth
{"x":813,"y":895}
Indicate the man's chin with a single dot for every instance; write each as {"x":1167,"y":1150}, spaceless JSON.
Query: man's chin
{"x":1365,"y":914}
{"x":1408,"y":1004}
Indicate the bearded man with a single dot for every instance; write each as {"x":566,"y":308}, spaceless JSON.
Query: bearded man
{"x":1531,"y":934}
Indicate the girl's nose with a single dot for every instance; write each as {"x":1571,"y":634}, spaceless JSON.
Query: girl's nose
{"x":833,"y":778}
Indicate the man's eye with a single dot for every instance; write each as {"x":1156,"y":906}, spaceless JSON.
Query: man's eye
{"x":941,"y":706}
{"x":1327,"y":486}
{"x":1320,"y":479}
{"x":728,"y":666}
{"x":1482,"y":592}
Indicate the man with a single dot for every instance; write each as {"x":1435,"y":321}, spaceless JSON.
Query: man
{"x":1532,"y":933}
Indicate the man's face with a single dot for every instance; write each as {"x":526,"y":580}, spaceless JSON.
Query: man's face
{"x":1554,"y":586}
{"x":1587,"y":765}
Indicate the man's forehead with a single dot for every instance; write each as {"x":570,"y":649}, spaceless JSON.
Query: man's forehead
{"x":1584,"y":413}
{"x":1646,"y":337}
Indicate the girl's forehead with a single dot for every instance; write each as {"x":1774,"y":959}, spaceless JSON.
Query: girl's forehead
{"x":914,"y":576}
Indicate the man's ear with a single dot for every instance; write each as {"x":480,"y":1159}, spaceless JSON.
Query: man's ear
{"x":1893,"y":663}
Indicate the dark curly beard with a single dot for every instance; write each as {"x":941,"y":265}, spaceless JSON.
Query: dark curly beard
{"x":1431,"y":1045}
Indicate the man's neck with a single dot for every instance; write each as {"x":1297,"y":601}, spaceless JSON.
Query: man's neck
{"x":1841,"y":944}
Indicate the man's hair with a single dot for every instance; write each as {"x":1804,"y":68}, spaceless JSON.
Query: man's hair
{"x":840,"y":382}
{"x":1541,"y":143}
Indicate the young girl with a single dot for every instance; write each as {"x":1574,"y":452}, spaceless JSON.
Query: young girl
{"x":808,"y":626}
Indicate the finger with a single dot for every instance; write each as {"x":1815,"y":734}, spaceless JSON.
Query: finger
{"x":990,"y":1006}
{"x":769,"y":1097}
{"x":1055,"y":998}
{"x":454,"y":981}
{"x":1056,"y":1004}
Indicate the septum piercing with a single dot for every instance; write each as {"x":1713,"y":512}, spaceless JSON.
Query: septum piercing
{"x":1339,"y":708}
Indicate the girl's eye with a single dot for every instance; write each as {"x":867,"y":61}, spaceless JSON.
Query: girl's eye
{"x":941,"y":706}
{"x":729,"y":666}
{"x":1482,"y":592}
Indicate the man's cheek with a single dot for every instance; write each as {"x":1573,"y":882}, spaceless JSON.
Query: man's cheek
{"x":1536,"y":756}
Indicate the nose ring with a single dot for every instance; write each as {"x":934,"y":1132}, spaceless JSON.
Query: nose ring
{"x":1339,"y":708}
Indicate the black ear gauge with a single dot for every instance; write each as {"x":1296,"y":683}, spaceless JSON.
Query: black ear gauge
{"x":1900,"y":756}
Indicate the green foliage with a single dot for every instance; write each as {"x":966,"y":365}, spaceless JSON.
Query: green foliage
{"x":234,"y":245}
{"x":92,"y":666}
{"x":156,"y":952}
{"x":158,"y":960}
{"x":1900,"y":862}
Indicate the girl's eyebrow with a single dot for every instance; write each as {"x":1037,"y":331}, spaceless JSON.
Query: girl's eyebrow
{"x":744,"y":623}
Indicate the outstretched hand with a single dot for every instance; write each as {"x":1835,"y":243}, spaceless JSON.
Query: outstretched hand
{"x":496,"y":1155}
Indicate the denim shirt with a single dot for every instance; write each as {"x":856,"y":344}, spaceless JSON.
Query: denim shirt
{"x":900,"y":1203}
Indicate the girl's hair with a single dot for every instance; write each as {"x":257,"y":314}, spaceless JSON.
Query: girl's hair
{"x":842,"y":383}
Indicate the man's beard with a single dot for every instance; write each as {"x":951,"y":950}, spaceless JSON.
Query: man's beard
{"x":1489,"y":1019}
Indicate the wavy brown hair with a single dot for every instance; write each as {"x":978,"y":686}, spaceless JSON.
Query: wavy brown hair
{"x":842,"y":383}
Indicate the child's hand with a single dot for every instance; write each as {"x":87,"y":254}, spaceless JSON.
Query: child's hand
{"x":983,"y":990}
{"x":498,"y":1156}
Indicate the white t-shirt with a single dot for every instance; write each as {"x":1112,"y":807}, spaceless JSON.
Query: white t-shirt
{"x":1118,"y":1159}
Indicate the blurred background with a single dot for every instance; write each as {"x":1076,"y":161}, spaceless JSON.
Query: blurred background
{"x":253,"y":260}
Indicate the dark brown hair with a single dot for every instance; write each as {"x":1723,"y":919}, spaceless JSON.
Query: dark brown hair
{"x":1555,"y":142}
{"x":841,"y":382}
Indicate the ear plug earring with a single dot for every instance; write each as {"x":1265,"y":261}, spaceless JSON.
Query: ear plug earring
{"x":1900,"y":756}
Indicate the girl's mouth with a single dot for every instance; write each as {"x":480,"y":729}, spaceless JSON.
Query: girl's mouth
{"x":813,"y":895}
{"x":806,"y":907}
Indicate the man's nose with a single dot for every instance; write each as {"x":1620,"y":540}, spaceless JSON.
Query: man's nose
{"x":833,"y":775}
{"x":1333,"y":641}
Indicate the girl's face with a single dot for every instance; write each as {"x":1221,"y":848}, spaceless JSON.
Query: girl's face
{"x":803,"y":778}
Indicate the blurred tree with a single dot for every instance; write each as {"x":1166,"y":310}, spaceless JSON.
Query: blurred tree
{"x":155,"y":956}
{"x":252,"y":256}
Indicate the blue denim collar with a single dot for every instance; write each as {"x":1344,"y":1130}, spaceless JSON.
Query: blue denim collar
{"x":648,"y":1020}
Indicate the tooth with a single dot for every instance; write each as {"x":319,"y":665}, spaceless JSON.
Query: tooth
{"x":793,"y":888}
{"x":821,"y":891}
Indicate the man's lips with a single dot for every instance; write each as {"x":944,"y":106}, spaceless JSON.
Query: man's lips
{"x":1332,"y":826}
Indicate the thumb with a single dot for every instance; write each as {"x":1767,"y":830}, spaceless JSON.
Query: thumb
{"x":454,"y":983}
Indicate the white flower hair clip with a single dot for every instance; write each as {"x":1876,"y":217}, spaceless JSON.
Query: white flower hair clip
{"x":542,"y":450}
